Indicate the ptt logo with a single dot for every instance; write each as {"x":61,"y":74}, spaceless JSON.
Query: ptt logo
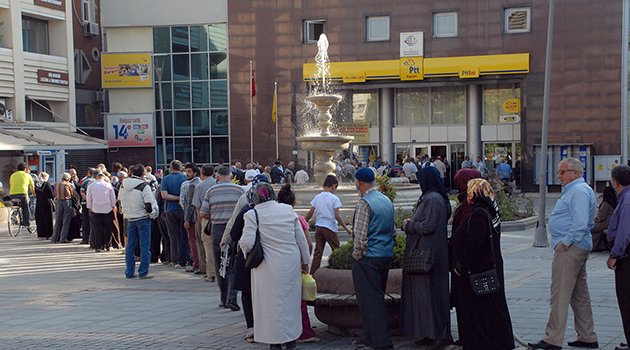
{"x":411,"y":66}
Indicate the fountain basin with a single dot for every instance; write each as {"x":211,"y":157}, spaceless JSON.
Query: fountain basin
{"x":324,"y":143}
{"x":324,"y":100}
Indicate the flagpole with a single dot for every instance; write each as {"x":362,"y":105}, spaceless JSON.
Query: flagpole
{"x":251,"y":112}
{"x":275,"y":101}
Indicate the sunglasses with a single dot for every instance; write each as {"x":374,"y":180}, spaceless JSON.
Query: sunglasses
{"x":561,"y":172}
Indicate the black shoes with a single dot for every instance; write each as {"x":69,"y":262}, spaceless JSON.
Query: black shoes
{"x":233,"y":307}
{"x":622,"y":346}
{"x":583,"y":344}
{"x":544,"y":345}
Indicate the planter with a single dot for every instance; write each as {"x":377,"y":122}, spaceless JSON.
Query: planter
{"x":337,"y":306}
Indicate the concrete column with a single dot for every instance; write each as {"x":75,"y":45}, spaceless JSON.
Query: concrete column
{"x":386,"y":124}
{"x":474,"y":100}
{"x":19,"y":108}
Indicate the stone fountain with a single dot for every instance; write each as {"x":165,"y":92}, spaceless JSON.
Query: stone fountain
{"x":324,"y":145}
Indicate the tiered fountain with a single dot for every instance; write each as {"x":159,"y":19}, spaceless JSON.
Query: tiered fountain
{"x":324,"y":145}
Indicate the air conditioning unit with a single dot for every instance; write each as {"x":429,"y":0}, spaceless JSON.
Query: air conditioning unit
{"x":91,"y":29}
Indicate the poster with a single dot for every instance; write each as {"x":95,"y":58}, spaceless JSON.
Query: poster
{"x":411,"y":44}
{"x":130,"y":130}
{"x":126,"y":70}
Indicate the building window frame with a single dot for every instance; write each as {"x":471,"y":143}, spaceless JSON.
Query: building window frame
{"x":508,"y":11}
{"x":28,"y":32}
{"x":310,"y":35}
{"x":437,"y":33}
{"x":368,"y":32}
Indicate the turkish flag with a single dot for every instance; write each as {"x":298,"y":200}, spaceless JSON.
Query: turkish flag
{"x":253,"y":84}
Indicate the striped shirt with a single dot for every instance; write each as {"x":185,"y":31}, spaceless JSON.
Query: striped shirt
{"x":220,"y":201}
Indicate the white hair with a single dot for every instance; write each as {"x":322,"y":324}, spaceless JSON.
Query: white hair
{"x":574,"y":164}
{"x":66,"y":177}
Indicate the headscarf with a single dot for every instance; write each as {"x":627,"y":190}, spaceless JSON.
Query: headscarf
{"x":481,"y":195}
{"x":257,"y":179}
{"x":610,"y":196}
{"x":461,"y":183}
{"x":263,"y":192}
{"x":430,"y":181}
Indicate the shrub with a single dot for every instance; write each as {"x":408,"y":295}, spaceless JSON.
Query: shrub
{"x":400,"y":215}
{"x":341,"y":258}
{"x":514,"y":207}
{"x":385,"y":187}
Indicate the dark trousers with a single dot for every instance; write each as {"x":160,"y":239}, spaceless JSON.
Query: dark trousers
{"x":165,"y":254}
{"x":622,"y":286}
{"x":248,"y":308}
{"x":85,"y":224}
{"x":175,"y":224}
{"x":155,"y":241}
{"x":370,"y":279}
{"x":102,"y":229}
{"x":226,"y":285}
{"x":26,"y":214}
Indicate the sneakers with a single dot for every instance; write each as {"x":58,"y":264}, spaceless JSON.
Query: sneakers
{"x":233,"y":307}
{"x":145,"y":277}
{"x":210,"y":279}
{"x":189,"y":269}
{"x":249,"y":335}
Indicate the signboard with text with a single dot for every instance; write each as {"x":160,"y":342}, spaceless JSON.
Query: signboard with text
{"x":130,"y":130}
{"x":360,"y":131}
{"x":411,"y":68}
{"x":126,"y":70}
{"x":411,"y":44}
{"x":50,"y":77}
{"x":51,"y":4}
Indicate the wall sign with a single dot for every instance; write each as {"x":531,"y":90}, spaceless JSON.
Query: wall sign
{"x":411,"y":44}
{"x":52,"y":4}
{"x":125,"y":70}
{"x":50,"y":77}
{"x":130,"y":130}
{"x":411,"y":68}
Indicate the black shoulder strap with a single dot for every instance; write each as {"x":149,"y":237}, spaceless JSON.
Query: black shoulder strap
{"x":140,"y":187}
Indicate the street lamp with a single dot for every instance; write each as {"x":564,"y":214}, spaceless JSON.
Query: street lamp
{"x":158,"y":73}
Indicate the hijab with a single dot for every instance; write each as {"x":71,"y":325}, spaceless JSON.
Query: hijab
{"x":610,"y":196}
{"x":482,"y":196}
{"x":263,"y":192}
{"x":430,"y":181}
{"x":461,"y":183}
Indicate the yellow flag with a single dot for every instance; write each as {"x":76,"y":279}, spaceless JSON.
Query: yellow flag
{"x":274,"y":107}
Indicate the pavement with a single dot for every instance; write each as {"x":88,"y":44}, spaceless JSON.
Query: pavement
{"x":65,"y":296}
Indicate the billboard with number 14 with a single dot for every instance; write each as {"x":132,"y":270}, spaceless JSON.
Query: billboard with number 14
{"x":130,"y":130}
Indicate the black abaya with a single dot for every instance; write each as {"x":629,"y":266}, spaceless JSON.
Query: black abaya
{"x":44,"y":210}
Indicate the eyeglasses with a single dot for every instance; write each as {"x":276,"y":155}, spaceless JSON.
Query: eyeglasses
{"x":561,"y":172}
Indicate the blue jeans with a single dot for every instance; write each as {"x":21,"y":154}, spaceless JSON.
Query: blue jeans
{"x":138,"y":230}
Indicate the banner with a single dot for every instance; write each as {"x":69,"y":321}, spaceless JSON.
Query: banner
{"x":126,"y":70}
{"x":130,"y":130}
{"x":360,"y":131}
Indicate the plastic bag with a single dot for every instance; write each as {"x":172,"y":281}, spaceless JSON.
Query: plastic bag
{"x":309,"y":287}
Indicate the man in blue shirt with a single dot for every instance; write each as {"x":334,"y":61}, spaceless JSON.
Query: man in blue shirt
{"x":570,"y":226}
{"x":505,"y":171}
{"x":619,"y":233}
{"x":170,"y":190}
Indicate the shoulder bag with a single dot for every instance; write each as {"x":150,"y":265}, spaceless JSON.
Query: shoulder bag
{"x":255,"y":256}
{"x":418,"y":260}
{"x":486,"y":282}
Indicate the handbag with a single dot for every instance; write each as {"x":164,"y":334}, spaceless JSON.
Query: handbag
{"x":486,"y":282}
{"x":255,"y":256}
{"x":418,"y":260}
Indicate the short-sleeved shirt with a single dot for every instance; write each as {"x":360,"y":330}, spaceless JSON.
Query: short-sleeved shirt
{"x":220,"y":201}
{"x":325,"y":204}
{"x":20,"y":182}
{"x":172,"y":184}
{"x":201,"y":189}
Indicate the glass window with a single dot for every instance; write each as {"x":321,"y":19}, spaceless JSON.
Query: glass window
{"x":517,"y":20}
{"x":169,"y":150}
{"x":217,"y":37}
{"x":313,"y":28}
{"x":183,"y":150}
{"x":448,"y":105}
{"x":377,"y":28}
{"x":88,"y":116}
{"x":198,"y":38}
{"x":199,"y":66}
{"x":494,"y":99}
{"x":201,"y":123}
{"x":218,"y":94}
{"x":161,"y":40}
{"x":35,"y":35}
{"x":365,"y":108}
{"x":218,"y":66}
{"x":180,"y":39}
{"x":182,"y":123}
{"x":200,"y":96}
{"x":181,"y":92}
{"x":201,"y":150}
{"x":181,"y":69}
{"x":412,"y":106}
{"x":38,"y":111}
{"x":163,"y":62}
{"x":167,"y":96}
{"x":168,"y":123}
{"x":220,"y":149}
{"x":445,"y":24}
{"x":219,"y":122}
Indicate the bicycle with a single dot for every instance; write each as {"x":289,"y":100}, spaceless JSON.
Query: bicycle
{"x":15,"y":218}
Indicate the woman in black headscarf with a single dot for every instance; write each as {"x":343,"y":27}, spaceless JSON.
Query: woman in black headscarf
{"x":424,"y":306}
{"x":44,"y":207}
{"x":483,"y":321}
{"x":604,"y":213}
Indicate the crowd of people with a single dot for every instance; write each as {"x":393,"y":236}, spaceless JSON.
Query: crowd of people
{"x":211,"y":221}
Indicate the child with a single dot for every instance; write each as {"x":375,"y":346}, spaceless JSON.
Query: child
{"x":326,"y":206}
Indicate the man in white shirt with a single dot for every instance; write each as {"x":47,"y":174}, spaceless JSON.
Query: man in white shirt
{"x":440,"y":166}
{"x":301,"y":177}
{"x":101,"y":201}
{"x":410,"y":169}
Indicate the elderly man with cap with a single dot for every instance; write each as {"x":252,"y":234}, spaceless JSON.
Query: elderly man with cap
{"x":101,"y":201}
{"x":373,"y":251}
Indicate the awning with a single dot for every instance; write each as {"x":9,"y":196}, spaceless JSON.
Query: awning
{"x":33,"y":138}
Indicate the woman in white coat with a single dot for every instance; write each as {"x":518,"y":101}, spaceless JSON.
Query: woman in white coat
{"x":277,"y":281}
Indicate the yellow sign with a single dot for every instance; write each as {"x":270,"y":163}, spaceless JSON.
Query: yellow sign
{"x":469,"y":72}
{"x":354,"y":77}
{"x":512,"y":106}
{"x":411,"y":68}
{"x":126,"y":70}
